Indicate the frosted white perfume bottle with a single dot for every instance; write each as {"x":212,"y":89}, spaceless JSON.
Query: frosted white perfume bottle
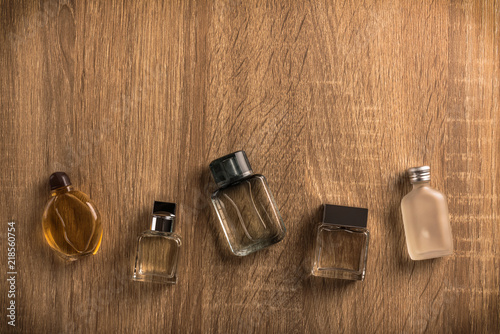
{"x":425,"y":217}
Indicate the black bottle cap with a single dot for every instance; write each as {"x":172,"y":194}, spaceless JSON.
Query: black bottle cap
{"x":345,"y":216}
{"x":163,"y":218}
{"x":231,"y":168}
{"x":59,"y":180}
{"x":164,"y":207}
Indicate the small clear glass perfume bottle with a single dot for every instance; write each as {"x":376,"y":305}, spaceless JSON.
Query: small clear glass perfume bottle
{"x":71,"y":222}
{"x":425,"y":218}
{"x":245,"y":206}
{"x":341,"y":246}
{"x":158,"y":248}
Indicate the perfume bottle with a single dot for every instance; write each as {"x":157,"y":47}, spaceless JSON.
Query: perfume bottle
{"x":425,"y":218}
{"x":71,"y":223}
{"x":244,"y":205}
{"x":341,"y":246}
{"x":158,"y":248}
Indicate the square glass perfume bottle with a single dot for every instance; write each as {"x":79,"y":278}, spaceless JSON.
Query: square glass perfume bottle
{"x":158,"y":248}
{"x":425,"y":218}
{"x":341,"y":246}
{"x":244,"y":205}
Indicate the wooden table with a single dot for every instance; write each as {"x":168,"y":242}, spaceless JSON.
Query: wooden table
{"x":332,"y":101}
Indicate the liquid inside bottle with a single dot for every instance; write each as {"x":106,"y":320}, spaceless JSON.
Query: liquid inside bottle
{"x":341,"y":253}
{"x":158,"y":248}
{"x":71,"y":223}
{"x":341,"y":248}
{"x":245,"y":205}
{"x":248,"y":215}
{"x":156,"y":258}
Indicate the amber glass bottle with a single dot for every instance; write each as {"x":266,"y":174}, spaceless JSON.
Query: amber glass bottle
{"x":71,"y":222}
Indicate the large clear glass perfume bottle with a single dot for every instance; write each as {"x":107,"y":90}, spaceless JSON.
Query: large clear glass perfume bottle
{"x":158,"y":248}
{"x":245,"y":206}
{"x":71,"y":223}
{"x":425,"y":218}
{"x":341,"y":246}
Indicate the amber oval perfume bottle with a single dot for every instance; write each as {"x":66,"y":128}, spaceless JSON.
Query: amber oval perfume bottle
{"x":158,"y":248}
{"x":341,"y":247}
{"x":425,"y":218}
{"x":71,"y":222}
{"x":245,"y":205}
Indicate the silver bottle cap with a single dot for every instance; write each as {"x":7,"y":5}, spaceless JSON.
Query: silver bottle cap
{"x":163,"y":218}
{"x":419,"y":174}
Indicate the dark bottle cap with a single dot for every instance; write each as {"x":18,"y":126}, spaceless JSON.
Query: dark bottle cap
{"x":163,"y":218}
{"x":345,"y":216}
{"x":230,"y":168}
{"x":164,"y":207}
{"x":59,"y":180}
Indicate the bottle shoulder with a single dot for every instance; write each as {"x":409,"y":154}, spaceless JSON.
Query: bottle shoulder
{"x":253,"y":177}
{"x":72,"y":195}
{"x":164,"y":235}
{"x":176,"y":238}
{"x":424,"y":192}
{"x":49,"y":203}
{"x":72,"y":199}
{"x":255,"y":181}
{"x":322,"y":227}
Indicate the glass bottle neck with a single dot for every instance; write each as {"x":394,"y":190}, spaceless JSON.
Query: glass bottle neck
{"x":420,"y":184}
{"x":61,"y":190}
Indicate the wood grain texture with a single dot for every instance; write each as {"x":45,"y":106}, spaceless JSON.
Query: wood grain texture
{"x":332,"y":101}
